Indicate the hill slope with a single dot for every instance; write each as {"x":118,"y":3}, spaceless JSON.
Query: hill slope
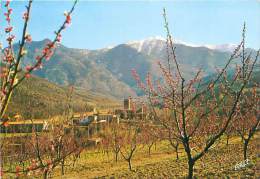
{"x":38,"y":98}
{"x":76,"y":67}
{"x":108,"y":70}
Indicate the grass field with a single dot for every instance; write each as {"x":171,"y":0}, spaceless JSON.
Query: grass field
{"x":218,"y":163}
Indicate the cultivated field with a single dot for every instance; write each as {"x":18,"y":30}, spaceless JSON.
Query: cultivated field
{"x":219,"y":163}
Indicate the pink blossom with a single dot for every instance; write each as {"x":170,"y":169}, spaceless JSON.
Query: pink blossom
{"x":59,"y":38}
{"x":38,"y":58}
{"x":1,"y":172}
{"x":28,"y":38}
{"x":27,"y":75}
{"x":68,"y":19}
{"x":10,"y":39}
{"x":25,"y":16}
{"x":8,"y":29}
{"x":7,"y":3}
{"x":17,"y":169}
{"x":28,"y":68}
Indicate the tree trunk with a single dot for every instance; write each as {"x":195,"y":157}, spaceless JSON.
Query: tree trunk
{"x":176,"y":150}
{"x":227,"y":140}
{"x":62,"y":167}
{"x":191,"y":165}
{"x":149,"y":149}
{"x":74,"y":161}
{"x":107,"y":152}
{"x":245,"y":149}
{"x":116,"y":156}
{"x":45,"y":175}
{"x":129,"y":164}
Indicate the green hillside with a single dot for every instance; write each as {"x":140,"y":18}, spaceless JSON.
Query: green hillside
{"x":38,"y":98}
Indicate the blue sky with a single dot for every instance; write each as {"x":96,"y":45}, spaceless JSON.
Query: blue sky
{"x":97,"y":24}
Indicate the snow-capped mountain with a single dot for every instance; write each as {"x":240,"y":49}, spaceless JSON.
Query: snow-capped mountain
{"x":148,"y":45}
{"x":108,"y":70}
{"x":151,"y":43}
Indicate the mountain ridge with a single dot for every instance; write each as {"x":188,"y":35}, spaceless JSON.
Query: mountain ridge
{"x":108,"y":70}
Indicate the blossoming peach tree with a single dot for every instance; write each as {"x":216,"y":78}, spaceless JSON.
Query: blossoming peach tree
{"x":199,"y":110}
{"x":42,"y":153}
{"x":12,"y":74}
{"x":247,"y":119}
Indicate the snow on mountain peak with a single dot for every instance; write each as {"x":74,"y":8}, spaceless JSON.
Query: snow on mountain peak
{"x":158,"y":42}
{"x":148,"y":44}
{"x":222,"y":47}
